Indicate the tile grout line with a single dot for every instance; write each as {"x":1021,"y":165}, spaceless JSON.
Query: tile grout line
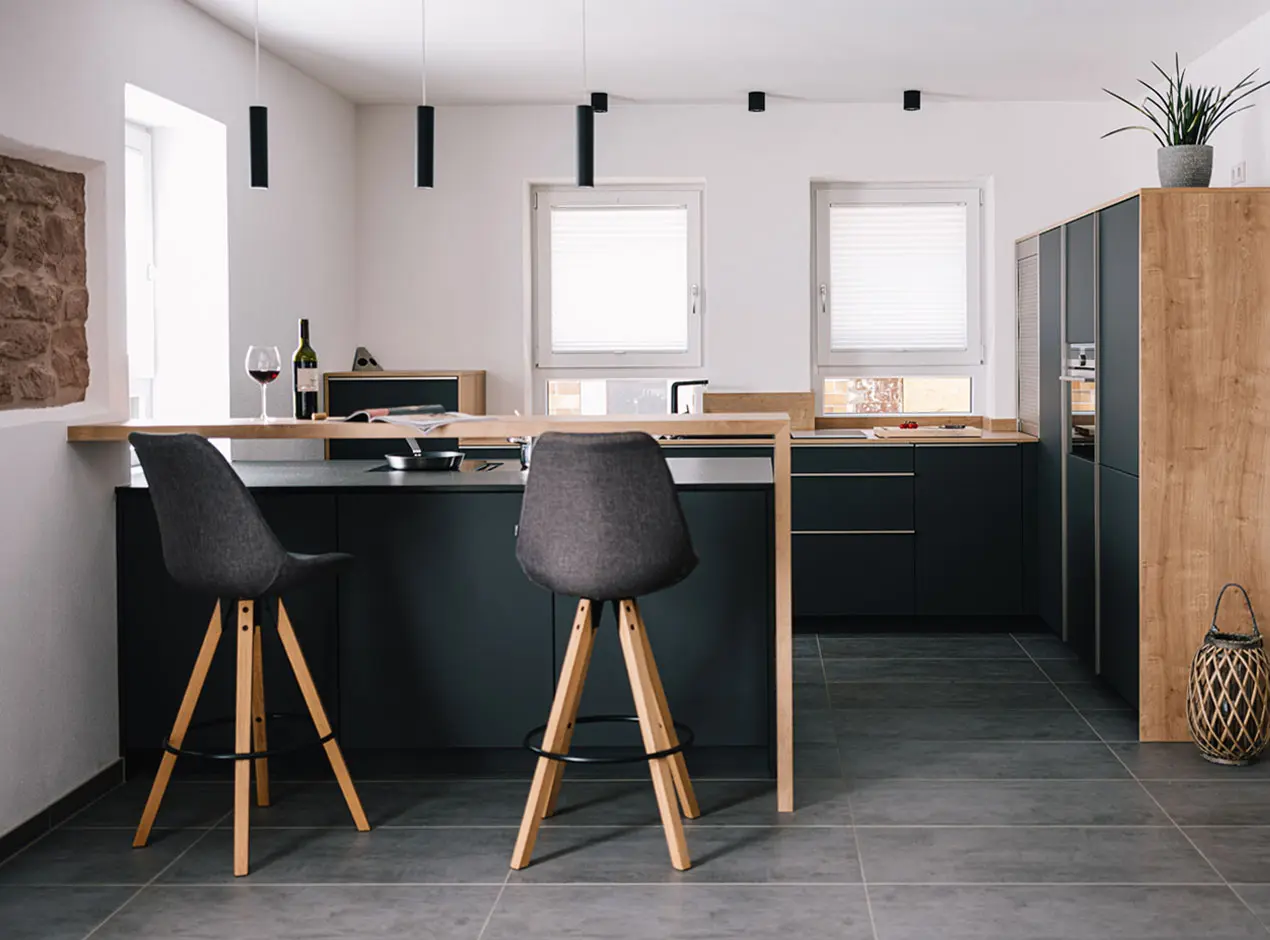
{"x":157,"y":875}
{"x":1151,"y":796}
{"x":493,"y":907}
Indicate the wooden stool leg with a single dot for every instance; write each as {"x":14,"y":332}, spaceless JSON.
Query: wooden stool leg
{"x":259,"y":735}
{"x":678,"y":766}
{"x":192,"y":691}
{"x":585,"y":614}
{"x":654,"y":731}
{"x":564,"y":709}
{"x":242,"y":734}
{"x":314,"y":701}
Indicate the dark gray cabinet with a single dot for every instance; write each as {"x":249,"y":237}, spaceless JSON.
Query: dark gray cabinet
{"x":853,"y":575}
{"x":861,"y":503}
{"x":1080,"y":557}
{"x":1081,"y":279}
{"x":1118,"y":342}
{"x":968,"y":512}
{"x":1050,"y":450}
{"x":1118,"y":571}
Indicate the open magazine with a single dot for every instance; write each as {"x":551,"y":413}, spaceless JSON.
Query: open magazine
{"x":422,"y":418}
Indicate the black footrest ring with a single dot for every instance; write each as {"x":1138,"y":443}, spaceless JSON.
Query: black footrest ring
{"x":249,"y":755}
{"x":686,"y":737}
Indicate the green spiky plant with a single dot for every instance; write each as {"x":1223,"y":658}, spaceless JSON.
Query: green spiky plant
{"x":1185,"y":114}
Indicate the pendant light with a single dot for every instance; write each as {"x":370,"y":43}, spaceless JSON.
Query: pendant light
{"x":258,"y":126}
{"x":586,"y":124}
{"x":423,"y":113}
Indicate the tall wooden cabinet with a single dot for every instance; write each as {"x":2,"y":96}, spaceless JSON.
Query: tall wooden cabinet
{"x":1173,"y":287}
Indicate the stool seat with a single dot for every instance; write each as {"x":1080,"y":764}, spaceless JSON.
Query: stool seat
{"x":297,"y":569}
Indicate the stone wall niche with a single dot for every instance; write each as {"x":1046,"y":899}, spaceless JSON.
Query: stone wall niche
{"x":43,"y":286}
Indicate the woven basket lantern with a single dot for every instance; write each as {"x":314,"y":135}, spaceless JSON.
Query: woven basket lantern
{"x":1228,"y":696}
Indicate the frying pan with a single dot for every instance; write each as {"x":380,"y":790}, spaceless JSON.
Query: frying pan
{"x":425,"y":459}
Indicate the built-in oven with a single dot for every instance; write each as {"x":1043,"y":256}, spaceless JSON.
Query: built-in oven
{"x":1079,"y":380}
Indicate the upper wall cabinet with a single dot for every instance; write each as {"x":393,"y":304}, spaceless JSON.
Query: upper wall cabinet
{"x":1082,"y":281}
{"x":1118,"y":267}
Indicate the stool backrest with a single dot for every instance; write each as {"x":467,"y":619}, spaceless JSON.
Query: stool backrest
{"x":601,"y":518}
{"x":214,"y":537}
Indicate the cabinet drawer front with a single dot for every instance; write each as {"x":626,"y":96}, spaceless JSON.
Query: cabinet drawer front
{"x":860,"y":458}
{"x":853,"y":503}
{"x":846,"y":575}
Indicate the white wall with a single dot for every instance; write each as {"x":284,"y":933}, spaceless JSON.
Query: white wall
{"x":1245,"y":136}
{"x":441,"y":274}
{"x":63,"y":66}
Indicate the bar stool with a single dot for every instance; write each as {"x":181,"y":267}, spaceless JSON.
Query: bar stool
{"x":216,"y":542}
{"x":601,"y":521}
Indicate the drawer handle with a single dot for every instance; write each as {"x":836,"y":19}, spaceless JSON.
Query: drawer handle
{"x":907,"y":473}
{"x":854,"y":532}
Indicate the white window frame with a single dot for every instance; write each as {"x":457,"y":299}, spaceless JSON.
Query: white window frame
{"x":140,"y":138}
{"x":543,"y":199}
{"x":830,"y":363}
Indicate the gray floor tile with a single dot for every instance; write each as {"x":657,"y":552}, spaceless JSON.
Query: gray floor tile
{"x":1182,"y":761}
{"x":329,"y":912}
{"x":922,"y":646}
{"x":1256,"y":897}
{"x":1066,"y":670}
{"x":808,"y":670}
{"x":186,"y":805}
{"x":976,"y":760}
{"x":1020,"y":855}
{"x":1092,"y":694}
{"x":1214,"y":802}
{"x":95,"y":857}
{"x":1241,"y":853}
{"x":684,"y":912}
{"x":1076,"y":912}
{"x":814,"y":726}
{"x":1113,"y":725}
{"x":964,"y":724}
{"x":345,"y":856}
{"x":1010,"y":695}
{"x":56,"y":913}
{"x":806,"y":646}
{"x":810,"y":695}
{"x":817,"y":761}
{"x":932,"y":670}
{"x":1045,"y":646}
{"x":1004,"y":803}
{"x":731,"y":854}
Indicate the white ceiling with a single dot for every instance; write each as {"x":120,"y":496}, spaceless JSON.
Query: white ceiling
{"x":522,"y":51}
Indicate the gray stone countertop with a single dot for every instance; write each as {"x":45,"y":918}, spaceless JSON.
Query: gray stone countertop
{"x":689,"y":473}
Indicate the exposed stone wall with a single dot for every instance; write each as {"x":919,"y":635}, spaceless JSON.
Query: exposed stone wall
{"x":43,"y":286}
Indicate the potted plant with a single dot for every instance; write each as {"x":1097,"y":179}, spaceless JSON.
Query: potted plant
{"x":1183,"y":117}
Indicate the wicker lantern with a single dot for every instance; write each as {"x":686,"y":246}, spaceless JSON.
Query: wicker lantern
{"x":1228,"y":697}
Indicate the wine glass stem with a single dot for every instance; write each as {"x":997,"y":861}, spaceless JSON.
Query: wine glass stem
{"x":264,"y":412}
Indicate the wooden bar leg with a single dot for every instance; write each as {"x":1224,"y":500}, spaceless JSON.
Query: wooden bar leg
{"x":584,"y":615}
{"x":784,"y":648}
{"x":242,"y":734}
{"x":678,"y":766}
{"x":655,"y":736}
{"x":259,"y":735}
{"x":564,"y":708}
{"x":318,"y":713}
{"x":188,"y":702}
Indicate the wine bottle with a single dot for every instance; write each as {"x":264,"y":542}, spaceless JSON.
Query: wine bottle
{"x":305,"y":371}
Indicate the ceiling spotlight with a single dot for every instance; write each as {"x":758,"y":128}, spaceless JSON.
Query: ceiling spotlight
{"x":758,"y":101}
{"x":912,"y":100}
{"x":600,"y":102}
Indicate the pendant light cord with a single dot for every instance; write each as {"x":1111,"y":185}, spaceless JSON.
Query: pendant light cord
{"x":257,"y":32}
{"x":423,"y":51}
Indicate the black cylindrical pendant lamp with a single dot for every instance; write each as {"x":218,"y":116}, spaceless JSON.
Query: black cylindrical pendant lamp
{"x":600,"y":102}
{"x":258,"y":131}
{"x":758,"y":101}
{"x":424,"y":124}
{"x":912,"y":100}
{"x":586,"y":145}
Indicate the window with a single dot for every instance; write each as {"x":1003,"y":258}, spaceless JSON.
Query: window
{"x":617,"y":278}
{"x":139,"y":248}
{"x":897,"y":299}
{"x":624,"y":396}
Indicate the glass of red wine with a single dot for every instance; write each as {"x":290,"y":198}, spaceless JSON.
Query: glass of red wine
{"x":263,"y":364}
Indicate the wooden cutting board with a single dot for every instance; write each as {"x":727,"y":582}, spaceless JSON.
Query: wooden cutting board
{"x":800,"y":406}
{"x":931,"y":431}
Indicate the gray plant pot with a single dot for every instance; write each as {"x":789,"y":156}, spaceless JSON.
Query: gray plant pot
{"x":1186,"y":165}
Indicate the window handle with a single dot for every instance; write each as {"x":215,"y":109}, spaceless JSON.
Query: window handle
{"x":696,"y":292}
{"x":824,"y":299}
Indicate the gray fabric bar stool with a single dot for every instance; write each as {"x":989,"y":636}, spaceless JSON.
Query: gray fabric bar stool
{"x":601,"y":521}
{"x":216,"y":542}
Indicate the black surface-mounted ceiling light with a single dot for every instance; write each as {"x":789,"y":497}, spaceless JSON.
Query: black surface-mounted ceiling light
{"x":424,"y":115}
{"x":758,"y":101}
{"x":912,"y":100}
{"x":586,"y":123}
{"x":258,"y":126}
{"x":600,"y":102}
